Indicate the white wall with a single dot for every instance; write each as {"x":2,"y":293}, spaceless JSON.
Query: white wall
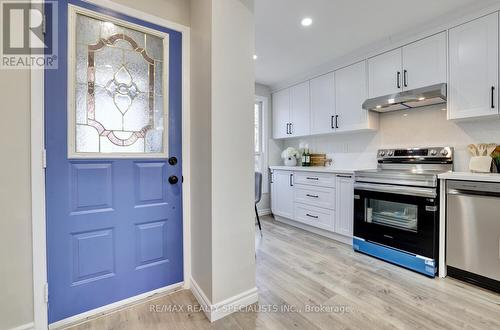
{"x":16,"y":288}
{"x":232,"y":148}
{"x":201,"y":144}
{"x":414,"y":127}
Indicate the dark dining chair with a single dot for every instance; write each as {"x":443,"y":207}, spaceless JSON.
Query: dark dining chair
{"x":258,"y":195}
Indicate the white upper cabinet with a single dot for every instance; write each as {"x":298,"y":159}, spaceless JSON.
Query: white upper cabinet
{"x":473,"y":84}
{"x":424,"y":62}
{"x":323,"y":104}
{"x":350,"y":93}
{"x":300,"y":111}
{"x":281,"y":114}
{"x":384,"y":75}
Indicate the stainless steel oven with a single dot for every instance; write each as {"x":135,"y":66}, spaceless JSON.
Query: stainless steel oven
{"x":402,"y":219}
{"x":396,"y":207}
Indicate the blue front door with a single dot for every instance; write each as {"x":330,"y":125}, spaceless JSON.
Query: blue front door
{"x":114,"y":219}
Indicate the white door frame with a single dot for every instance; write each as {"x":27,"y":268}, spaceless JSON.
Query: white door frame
{"x":38,"y":171}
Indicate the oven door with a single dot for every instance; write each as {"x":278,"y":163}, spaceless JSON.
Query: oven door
{"x":401,"y":217}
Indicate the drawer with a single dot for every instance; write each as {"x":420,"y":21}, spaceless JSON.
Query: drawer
{"x":315,"y":179}
{"x":315,"y":196}
{"x":314,"y":216}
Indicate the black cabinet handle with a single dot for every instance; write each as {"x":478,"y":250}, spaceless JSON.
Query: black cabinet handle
{"x":398,"y":80}
{"x":312,"y":216}
{"x":337,"y":121}
{"x":344,"y":176}
{"x":311,"y":178}
{"x":287,"y":132}
{"x":405,"y":78}
{"x":313,"y":196}
{"x":331,"y":122}
{"x":291,"y":128}
{"x":291,"y":180}
{"x":493,"y":97}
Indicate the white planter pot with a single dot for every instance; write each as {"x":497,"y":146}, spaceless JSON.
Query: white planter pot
{"x":290,"y":161}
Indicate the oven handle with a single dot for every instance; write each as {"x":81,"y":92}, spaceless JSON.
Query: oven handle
{"x":399,"y":190}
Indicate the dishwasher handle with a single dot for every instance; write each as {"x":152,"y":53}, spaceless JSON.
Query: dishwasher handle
{"x":473,"y":188}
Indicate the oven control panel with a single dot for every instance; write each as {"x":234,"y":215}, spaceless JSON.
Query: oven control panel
{"x":416,"y":153}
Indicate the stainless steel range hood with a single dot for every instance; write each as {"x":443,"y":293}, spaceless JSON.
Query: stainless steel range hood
{"x":421,"y":97}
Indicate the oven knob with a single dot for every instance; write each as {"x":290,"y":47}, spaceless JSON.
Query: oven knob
{"x":390,"y":153}
{"x":382,"y":153}
{"x":434,"y":152}
{"x":444,"y":152}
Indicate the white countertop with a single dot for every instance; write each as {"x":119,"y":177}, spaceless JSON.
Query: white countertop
{"x":323,"y":169}
{"x":468,"y":176}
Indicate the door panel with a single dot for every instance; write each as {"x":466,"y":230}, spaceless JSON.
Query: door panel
{"x":425,"y":62}
{"x":281,"y":113}
{"x":345,"y":206}
{"x":323,"y":104}
{"x":300,"y":109}
{"x":383,"y":74}
{"x":350,"y":93}
{"x":474,"y":59}
{"x":283,"y":193}
{"x":114,"y":224}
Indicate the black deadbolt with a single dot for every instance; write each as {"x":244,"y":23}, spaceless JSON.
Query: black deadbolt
{"x":173,"y":179}
{"x":172,"y":160}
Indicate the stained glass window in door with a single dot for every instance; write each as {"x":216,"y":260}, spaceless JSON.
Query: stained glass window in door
{"x":119,"y":89}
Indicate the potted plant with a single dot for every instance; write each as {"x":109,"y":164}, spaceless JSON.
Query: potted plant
{"x":289,"y":155}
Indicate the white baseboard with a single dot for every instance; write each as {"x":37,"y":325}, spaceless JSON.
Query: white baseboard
{"x":98,"y":312}
{"x":264,"y":212}
{"x":27,"y":326}
{"x":222,"y":309}
{"x":340,"y":238}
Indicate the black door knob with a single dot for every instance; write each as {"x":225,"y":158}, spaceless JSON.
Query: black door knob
{"x":173,"y":179}
{"x":172,"y":161}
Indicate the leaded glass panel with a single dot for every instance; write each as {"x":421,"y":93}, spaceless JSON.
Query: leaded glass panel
{"x":118,"y":89}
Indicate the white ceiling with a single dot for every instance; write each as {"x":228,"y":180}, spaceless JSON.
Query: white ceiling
{"x":286,"y":49}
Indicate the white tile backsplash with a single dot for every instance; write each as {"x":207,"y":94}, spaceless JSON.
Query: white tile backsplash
{"x":421,"y":127}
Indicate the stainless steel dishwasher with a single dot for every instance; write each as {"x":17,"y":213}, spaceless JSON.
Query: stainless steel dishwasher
{"x":473,"y":232}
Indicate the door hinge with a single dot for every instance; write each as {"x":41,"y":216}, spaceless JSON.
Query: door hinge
{"x":44,"y":158}
{"x":46,"y":293}
{"x":44,"y":24}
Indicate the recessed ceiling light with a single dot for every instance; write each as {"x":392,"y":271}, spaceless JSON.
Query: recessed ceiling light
{"x":378,"y":106}
{"x":255,"y":56}
{"x":421,"y":98}
{"x":307,"y":21}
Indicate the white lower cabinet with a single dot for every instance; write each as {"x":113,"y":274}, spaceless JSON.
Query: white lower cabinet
{"x":345,"y":205}
{"x":314,"y":216}
{"x":318,"y":199}
{"x":282,"y":193}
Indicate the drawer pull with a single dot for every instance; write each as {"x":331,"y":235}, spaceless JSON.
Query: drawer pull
{"x":312,"y":216}
{"x":313,"y":196}
{"x":311,"y":178}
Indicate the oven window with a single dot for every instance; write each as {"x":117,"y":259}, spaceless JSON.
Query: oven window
{"x":391,"y":214}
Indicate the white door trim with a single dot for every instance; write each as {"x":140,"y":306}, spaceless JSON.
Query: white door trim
{"x":38,"y":218}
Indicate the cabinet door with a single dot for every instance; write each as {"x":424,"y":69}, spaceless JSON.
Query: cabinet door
{"x":424,"y":62}
{"x":300,"y":109}
{"x":384,"y":75}
{"x":281,"y":113}
{"x":344,"y":205}
{"x":323,"y":104}
{"x":282,"y":193}
{"x":473,"y":84}
{"x":350,"y":93}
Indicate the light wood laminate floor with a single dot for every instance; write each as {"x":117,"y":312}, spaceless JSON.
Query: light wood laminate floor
{"x":297,"y":270}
